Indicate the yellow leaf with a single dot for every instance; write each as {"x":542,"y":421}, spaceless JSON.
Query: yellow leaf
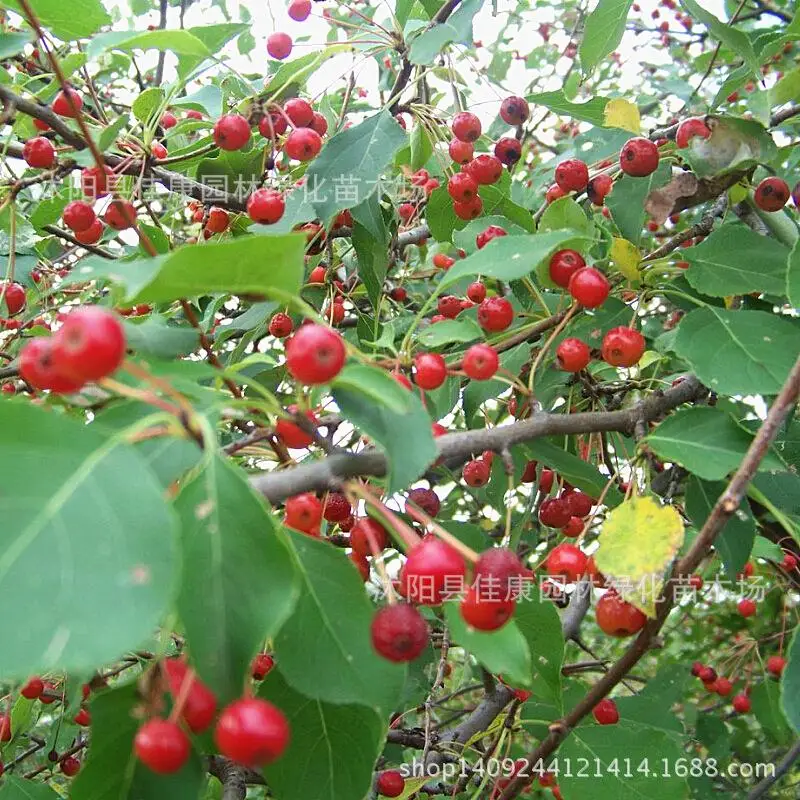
{"x":627,"y":258}
{"x":638,"y":541}
{"x":622,"y":114}
{"x":737,"y":193}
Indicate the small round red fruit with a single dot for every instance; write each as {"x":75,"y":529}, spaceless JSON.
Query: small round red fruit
{"x":476,"y":473}
{"x":70,"y":766}
{"x":573,"y":355}
{"x":299,"y":111}
{"x":303,"y":144}
{"x":299,"y":10}
{"x":89,"y":345}
{"x":572,"y":175}
{"x":462,"y":187}
{"x":771,"y":194}
{"x":741,"y":703}
{"x":618,"y":618}
{"x":589,"y":287}
{"x":78,"y":215}
{"x":39,"y":153}
{"x":430,"y":370}
{"x":33,"y":689}
{"x":425,"y":499}
{"x":563,"y":265}
{"x":293,"y":435}
{"x":476,"y":292}
{"x":63,"y":107}
{"x":481,"y":362}
{"x":279,"y":45}
{"x":507,"y":150}
{"x":162,"y":746}
{"x":623,"y":347}
{"x":688,"y":129}
{"x":390,"y":783}
{"x":746,"y":607}
{"x":315,"y":354}
{"x":495,"y":314}
{"x":399,"y":632}
{"x":486,"y":236}
{"x":120,"y":215}
{"x":638,"y":157}
{"x":466,"y":126}
{"x":13,"y":297}
{"x":252,"y":732}
{"x":485,"y":613}
{"x":265,"y":206}
{"x":485,"y":169}
{"x":567,"y":561}
{"x":367,"y":534}
{"x":431,"y":567}
{"x":598,"y":188}
{"x":231,"y":132}
{"x":472,"y":209}
{"x":606,"y":712}
{"x":461,"y":152}
{"x":514,"y":110}
{"x":261,"y":665}
{"x":776,"y":665}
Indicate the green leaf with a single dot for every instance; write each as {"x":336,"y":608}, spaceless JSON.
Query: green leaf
{"x":406,"y":437}
{"x":786,"y":89}
{"x":643,"y":748}
{"x":15,"y":788}
{"x":465,"y":238}
{"x":153,"y":336}
{"x":602,"y":32}
{"x":540,"y":625}
{"x":333,"y":748}
{"x":458,"y":28}
{"x":109,"y":134}
{"x":592,"y":111}
{"x":790,"y":682}
{"x":70,"y":491}
{"x":738,"y":352}
{"x":208,"y":98}
{"x":565,"y":214}
{"x":49,"y":210}
{"x":377,"y":385}
{"x":706,"y":441}
{"x":441,"y":218}
{"x":626,"y":202}
{"x":146,"y":103}
{"x":246,"y":265}
{"x":348,"y":169}
{"x":324,"y":648}
{"x":421,"y":147}
{"x":296,"y":71}
{"x":793,"y":276}
{"x":174,"y":41}
{"x":67,"y":21}
{"x":731,"y":37}
{"x":13,"y":43}
{"x":766,"y":700}
{"x":373,"y":260}
{"x":447,"y":331}
{"x":735,"y":542}
{"x":734,"y":259}
{"x":502,"y":651}
{"x":509,"y":257}
{"x":652,"y":706}
{"x":237,"y":584}
{"x":112,"y":771}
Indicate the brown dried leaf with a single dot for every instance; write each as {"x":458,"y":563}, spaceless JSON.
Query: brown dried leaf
{"x":659,"y":202}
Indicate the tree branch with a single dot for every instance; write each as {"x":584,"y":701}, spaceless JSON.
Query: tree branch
{"x":723,"y":509}
{"x":781,"y":769}
{"x":329,"y":472}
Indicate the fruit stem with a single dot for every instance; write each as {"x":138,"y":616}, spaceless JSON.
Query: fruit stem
{"x":420,"y":516}
{"x":408,"y":537}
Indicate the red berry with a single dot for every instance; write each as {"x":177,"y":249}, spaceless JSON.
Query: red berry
{"x":252,"y":732}
{"x":61,"y":104}
{"x":361,"y":564}
{"x":39,"y":368}
{"x":481,"y":362}
{"x":279,"y":45}
{"x":293,"y":435}
{"x":567,"y":561}
{"x":261,"y":666}
{"x":495,"y":314}
{"x":432,"y":568}
{"x":299,"y":10}
{"x":231,"y":132}
{"x":193,"y":114}
{"x":319,"y":124}
{"x":399,"y":632}
{"x":39,"y":153}
{"x":218,"y":220}
{"x":462,"y":187}
{"x":476,"y":292}
{"x":449,"y":306}
{"x":486,"y":236}
{"x":90,"y":344}
{"x":623,"y":347}
{"x":746,"y":607}
{"x":315,"y":354}
{"x":573,"y":528}
{"x":708,"y":675}
{"x":120,"y":215}
{"x":563,"y":265}
{"x":476,"y":473}
{"x":485,"y":613}
{"x":92,"y":234}
{"x":390,"y":783}
{"x":398,"y":294}
{"x":265,"y":206}
{"x":472,"y":209}
{"x":443,"y":261}
{"x":78,"y":216}
{"x":498,"y":573}
{"x":485,"y":169}
{"x":589,"y":287}
{"x":168,"y":120}
{"x":507,"y":150}
{"x":158,"y":150}
{"x":514,"y":110}
{"x":161,"y":746}
{"x":688,"y":129}
{"x":638,"y":157}
{"x":13,"y":295}
{"x":618,"y":618}
{"x":96,"y":182}
{"x":466,"y":126}
{"x":5,"y":728}
{"x":605,"y":712}
{"x":461,"y":152}
{"x":554,"y":193}
{"x":366,"y":533}
{"x":741,"y":703}
{"x":572,"y":355}
{"x":578,"y":503}
{"x":337,"y":507}
{"x":82,"y":718}
{"x":572,"y":175}
{"x":430,"y":370}
{"x":554,"y":512}
{"x":299,"y":111}
{"x":426,"y":499}
{"x":200,"y":703}
{"x":33,"y":689}
{"x":303,"y":144}
{"x":723,"y":687}
{"x":598,"y":188}
{"x":70,"y":766}
{"x":771,"y":194}
{"x":789,"y":563}
{"x":776,"y":665}
{"x":303,"y":512}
